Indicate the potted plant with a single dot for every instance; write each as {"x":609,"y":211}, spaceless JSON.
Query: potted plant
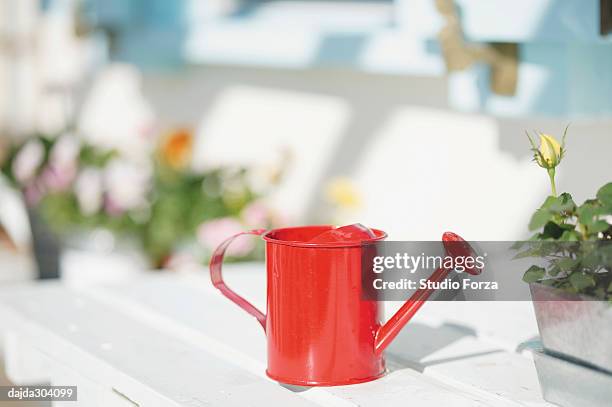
{"x":572,"y":286}
{"x":149,"y":211}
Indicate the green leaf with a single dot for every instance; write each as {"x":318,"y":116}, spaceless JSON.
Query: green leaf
{"x":606,"y":209}
{"x":570,"y":236}
{"x":567,"y":226}
{"x":605,"y":251}
{"x":564,"y":136}
{"x":548,"y":202}
{"x":533,"y":274}
{"x":532,"y":249}
{"x":555,"y":270}
{"x":552,"y":230}
{"x":568,"y":264}
{"x":605,"y":194}
{"x":580,"y":280}
{"x":610,"y":287}
{"x":534,"y":147}
{"x":92,"y":156}
{"x":526,"y":253}
{"x":517,"y":245}
{"x":599,"y":226}
{"x":587,"y":213}
{"x":563,"y":203}
{"x":591,"y":259}
{"x":539,"y":219}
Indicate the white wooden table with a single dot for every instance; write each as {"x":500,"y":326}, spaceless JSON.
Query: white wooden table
{"x":172,"y":340}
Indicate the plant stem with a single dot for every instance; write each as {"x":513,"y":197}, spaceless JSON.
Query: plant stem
{"x":551,"y":175}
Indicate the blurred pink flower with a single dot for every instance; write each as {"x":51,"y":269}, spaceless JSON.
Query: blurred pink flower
{"x":256,"y":215}
{"x":33,"y":193}
{"x":112,"y":208}
{"x":212,"y":233}
{"x":58,"y":178}
{"x":28,"y":160}
{"x":62,"y":168}
{"x":181,"y":261}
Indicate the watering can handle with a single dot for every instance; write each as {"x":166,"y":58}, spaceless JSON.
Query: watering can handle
{"x":216,"y":262}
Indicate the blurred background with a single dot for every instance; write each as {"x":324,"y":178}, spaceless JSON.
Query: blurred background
{"x":138,"y":134}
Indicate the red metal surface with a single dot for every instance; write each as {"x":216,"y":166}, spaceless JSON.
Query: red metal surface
{"x":216,"y":262}
{"x":454,"y":246}
{"x":319,"y":330}
{"x":349,"y":233}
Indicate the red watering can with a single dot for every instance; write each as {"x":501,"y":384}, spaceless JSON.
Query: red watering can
{"x":320,"y":331}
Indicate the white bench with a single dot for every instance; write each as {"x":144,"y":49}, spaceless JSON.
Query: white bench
{"x":171,"y":339}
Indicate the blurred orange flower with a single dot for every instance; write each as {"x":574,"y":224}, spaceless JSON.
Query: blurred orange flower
{"x":176,"y":148}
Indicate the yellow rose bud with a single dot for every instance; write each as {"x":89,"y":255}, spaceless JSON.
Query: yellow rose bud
{"x":548,"y":155}
{"x":550,"y":152}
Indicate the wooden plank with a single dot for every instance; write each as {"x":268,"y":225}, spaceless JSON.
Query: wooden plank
{"x":442,"y":352}
{"x":129,"y":358}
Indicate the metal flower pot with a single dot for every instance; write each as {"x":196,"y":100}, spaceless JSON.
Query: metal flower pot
{"x":572,"y":384}
{"x":574,"y":326}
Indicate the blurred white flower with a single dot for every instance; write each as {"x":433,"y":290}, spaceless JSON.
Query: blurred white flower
{"x":28,"y":161}
{"x":127,"y":184}
{"x":53,"y":111}
{"x":182,"y":261}
{"x":65,"y":151}
{"x":116,"y":115}
{"x":212,"y":233}
{"x":263,"y":177}
{"x":89,"y":189}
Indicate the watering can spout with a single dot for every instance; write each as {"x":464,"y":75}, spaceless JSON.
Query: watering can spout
{"x":454,"y":246}
{"x":387,"y":332}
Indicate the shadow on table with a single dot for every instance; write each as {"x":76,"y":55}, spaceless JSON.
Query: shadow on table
{"x":418,"y":341}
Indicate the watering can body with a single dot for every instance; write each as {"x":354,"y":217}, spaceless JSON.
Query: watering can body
{"x":319,"y":329}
